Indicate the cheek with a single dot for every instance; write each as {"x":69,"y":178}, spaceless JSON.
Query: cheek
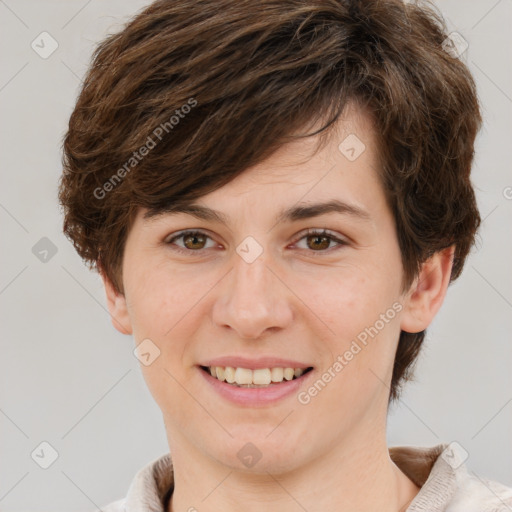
{"x":165,"y":301}
{"x":362,"y":313}
{"x":345,"y":299}
{"x":162,"y":303}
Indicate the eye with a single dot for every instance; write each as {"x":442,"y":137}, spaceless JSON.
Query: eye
{"x":193,"y":241}
{"x":320,"y":240}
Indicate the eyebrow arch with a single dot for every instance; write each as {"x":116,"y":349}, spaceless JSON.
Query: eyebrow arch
{"x":292,"y":214}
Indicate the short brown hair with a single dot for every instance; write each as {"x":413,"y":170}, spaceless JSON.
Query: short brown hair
{"x":252,"y":73}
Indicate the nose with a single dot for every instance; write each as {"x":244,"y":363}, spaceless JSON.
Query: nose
{"x":252,"y":300}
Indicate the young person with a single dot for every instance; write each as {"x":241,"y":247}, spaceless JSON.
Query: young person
{"x":277,"y":195}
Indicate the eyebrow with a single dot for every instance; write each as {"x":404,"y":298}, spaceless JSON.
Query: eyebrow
{"x":292,"y":214}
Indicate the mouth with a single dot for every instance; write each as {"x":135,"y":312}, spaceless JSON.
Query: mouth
{"x":258,"y":378}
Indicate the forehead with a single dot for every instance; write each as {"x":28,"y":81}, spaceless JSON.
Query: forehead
{"x":300,"y":179}
{"x":351,"y":136}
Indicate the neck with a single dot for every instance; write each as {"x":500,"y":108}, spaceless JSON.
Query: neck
{"x":355,"y":475}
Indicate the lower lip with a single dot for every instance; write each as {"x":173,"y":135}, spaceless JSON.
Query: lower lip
{"x":256,"y":397}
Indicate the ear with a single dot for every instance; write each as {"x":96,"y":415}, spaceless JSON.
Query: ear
{"x":116,"y":303}
{"x":427,"y":292}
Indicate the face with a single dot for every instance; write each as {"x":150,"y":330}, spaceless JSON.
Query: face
{"x":318,"y":290}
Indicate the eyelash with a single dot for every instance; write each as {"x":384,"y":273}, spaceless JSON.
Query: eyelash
{"x":309,"y":232}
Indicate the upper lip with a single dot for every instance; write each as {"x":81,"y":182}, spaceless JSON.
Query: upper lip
{"x":253,"y":364}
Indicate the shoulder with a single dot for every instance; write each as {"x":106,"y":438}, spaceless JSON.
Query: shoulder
{"x":477,"y":494}
{"x":445,"y":482}
{"x":148,"y":489}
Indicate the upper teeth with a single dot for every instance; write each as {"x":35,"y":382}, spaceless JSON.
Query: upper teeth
{"x":262,"y":376}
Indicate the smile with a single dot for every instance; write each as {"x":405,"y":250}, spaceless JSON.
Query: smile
{"x":255,"y":388}
{"x":261,"y":377}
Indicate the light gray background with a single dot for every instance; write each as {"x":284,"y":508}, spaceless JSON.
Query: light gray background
{"x":69,"y":378}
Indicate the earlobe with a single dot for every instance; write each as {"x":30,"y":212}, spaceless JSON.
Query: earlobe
{"x":116,"y":303}
{"x":427,"y":292}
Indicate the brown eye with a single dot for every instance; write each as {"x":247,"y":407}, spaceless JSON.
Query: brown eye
{"x":318,"y":242}
{"x":191,"y":241}
{"x":194,"y":241}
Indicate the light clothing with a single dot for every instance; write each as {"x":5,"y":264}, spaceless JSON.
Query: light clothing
{"x":446,"y":485}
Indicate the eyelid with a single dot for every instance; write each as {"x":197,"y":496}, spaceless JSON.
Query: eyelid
{"x":339,"y":240}
{"x":180,"y":234}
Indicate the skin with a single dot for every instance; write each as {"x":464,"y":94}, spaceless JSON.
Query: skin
{"x":295,"y":300}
